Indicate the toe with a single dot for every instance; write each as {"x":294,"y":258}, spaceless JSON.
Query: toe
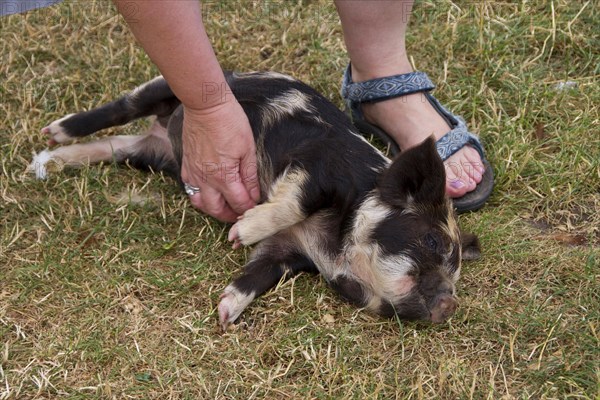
{"x":455,"y":188}
{"x":464,"y":171}
{"x":456,"y":185}
{"x":472,"y":163}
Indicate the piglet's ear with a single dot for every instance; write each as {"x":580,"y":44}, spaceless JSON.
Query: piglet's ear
{"x":471,"y":250}
{"x":415,"y":175}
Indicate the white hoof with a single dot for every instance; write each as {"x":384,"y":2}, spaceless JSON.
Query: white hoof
{"x":56,"y":133}
{"x":232,"y":303}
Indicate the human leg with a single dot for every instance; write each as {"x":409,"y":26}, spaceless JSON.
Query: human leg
{"x":375,"y":33}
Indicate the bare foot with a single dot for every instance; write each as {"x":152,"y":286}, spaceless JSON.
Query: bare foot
{"x":410,"y":120}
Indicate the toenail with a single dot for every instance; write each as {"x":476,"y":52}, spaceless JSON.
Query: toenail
{"x":457,"y":184}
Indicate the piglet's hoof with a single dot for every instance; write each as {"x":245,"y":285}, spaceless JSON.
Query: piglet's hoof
{"x":224,"y":310}
{"x":56,"y":133}
{"x":233,"y":302}
{"x":234,"y":236}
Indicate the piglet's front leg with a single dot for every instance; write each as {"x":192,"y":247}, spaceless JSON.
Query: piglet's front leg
{"x":259,"y":275}
{"x":282,"y":209}
{"x":231,"y":304}
{"x":268,"y":266}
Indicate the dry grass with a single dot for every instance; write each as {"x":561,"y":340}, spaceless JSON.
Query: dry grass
{"x":101,"y":298}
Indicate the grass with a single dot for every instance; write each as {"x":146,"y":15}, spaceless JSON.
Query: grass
{"x":109,"y":280}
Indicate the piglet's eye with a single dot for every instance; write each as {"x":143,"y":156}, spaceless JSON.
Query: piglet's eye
{"x":432,"y":242}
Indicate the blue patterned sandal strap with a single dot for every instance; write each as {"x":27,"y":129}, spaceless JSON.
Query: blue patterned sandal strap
{"x":455,"y":140}
{"x":380,"y":89}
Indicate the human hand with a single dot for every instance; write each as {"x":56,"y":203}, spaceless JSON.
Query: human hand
{"x":219,"y":158}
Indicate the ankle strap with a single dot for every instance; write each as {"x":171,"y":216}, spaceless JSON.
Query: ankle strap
{"x":385,"y":88}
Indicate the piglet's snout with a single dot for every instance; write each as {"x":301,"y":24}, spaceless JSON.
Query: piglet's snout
{"x":444,"y":306}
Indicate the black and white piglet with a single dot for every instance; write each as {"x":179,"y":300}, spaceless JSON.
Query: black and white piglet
{"x":382,"y":233}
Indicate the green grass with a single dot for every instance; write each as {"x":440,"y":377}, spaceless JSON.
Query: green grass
{"x":104,"y":298}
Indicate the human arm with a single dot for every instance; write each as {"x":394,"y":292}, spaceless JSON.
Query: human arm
{"x":219,"y":153}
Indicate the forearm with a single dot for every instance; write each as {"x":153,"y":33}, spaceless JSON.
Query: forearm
{"x":173,"y":35}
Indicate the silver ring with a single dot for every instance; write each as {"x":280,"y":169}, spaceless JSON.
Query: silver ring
{"x":190,"y":190}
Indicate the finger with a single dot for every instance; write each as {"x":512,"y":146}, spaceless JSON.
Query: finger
{"x":214,"y":204}
{"x":249,"y":173}
{"x":237,"y":197}
{"x":196,"y":201}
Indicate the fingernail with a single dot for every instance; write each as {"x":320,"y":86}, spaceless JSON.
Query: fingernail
{"x":255,"y":193}
{"x":457,"y":184}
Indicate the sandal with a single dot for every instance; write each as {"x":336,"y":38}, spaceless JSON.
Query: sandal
{"x":380,"y":89}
